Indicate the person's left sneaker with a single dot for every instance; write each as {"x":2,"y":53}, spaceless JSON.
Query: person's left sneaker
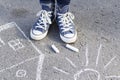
{"x":68,"y":33}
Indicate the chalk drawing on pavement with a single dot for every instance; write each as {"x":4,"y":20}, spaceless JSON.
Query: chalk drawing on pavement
{"x":109,"y":62}
{"x":99,"y":50}
{"x":16,"y":44}
{"x":6,"y":26}
{"x":77,"y":75}
{"x":71,"y":62}
{"x":86,"y":54}
{"x":39,"y":66}
{"x":18,"y":64}
{"x":60,"y":70}
{"x":86,"y":68}
{"x":21,"y":73}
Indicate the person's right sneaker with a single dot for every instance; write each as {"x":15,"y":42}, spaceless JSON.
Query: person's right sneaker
{"x":68,"y":33}
{"x":40,"y":28}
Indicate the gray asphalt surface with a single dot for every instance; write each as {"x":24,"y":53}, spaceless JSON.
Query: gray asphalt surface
{"x":98,"y":26}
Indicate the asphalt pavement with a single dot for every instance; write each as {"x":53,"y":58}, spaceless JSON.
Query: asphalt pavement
{"x":98,"y":26}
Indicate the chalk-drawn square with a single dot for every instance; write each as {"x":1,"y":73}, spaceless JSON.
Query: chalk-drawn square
{"x":16,"y":44}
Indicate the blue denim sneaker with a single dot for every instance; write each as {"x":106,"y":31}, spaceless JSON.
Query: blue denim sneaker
{"x":46,"y":15}
{"x":40,"y":28}
{"x":68,"y":33}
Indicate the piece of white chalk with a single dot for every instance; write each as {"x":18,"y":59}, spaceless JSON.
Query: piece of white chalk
{"x":55,"y":48}
{"x":72,"y":48}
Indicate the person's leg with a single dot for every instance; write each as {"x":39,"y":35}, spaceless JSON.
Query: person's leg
{"x":63,"y":6}
{"x":48,"y":5}
{"x":41,"y":26}
{"x":65,"y":22}
{"x":63,"y":3}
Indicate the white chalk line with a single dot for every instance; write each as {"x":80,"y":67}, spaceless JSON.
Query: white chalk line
{"x":113,"y":76}
{"x":39,"y":67}
{"x":98,"y":78}
{"x":6,"y":26}
{"x":2,"y":41}
{"x":60,"y":70}
{"x":41,"y":58}
{"x":27,"y":60}
{"x":28,"y":39}
{"x":84,"y":70}
{"x":71,"y":62}
{"x":86,"y":54}
{"x":109,"y":62}
{"x":77,"y":74}
{"x":99,"y":50}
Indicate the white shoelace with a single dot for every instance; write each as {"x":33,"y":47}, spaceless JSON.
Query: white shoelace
{"x":44,"y":19}
{"x":66,"y":21}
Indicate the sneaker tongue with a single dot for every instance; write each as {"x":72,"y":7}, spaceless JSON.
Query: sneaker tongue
{"x":63,"y":10}
{"x":47,"y":6}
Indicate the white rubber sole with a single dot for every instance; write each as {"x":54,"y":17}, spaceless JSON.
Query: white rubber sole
{"x":37,"y":37}
{"x":69,"y":40}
